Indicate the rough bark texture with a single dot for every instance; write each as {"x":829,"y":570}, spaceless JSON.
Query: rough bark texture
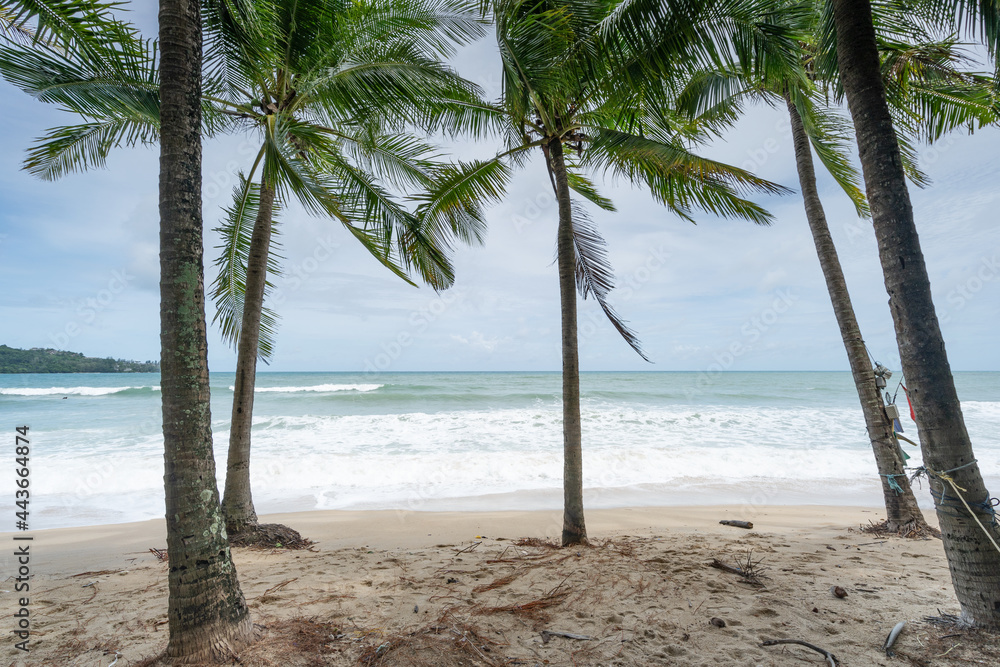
{"x":574,"y":528}
{"x":902,"y":512}
{"x":208,"y":617}
{"x":973,"y":560}
{"x":238,"y":500}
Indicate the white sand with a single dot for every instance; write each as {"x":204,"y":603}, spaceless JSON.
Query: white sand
{"x":644,"y":593}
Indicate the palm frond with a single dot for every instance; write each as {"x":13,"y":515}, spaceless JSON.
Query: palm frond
{"x":584,"y":187}
{"x":73,"y":148}
{"x":228,"y":290}
{"x":677,"y":178}
{"x":830,"y":136}
{"x":594,"y":275}
{"x":452,"y":206}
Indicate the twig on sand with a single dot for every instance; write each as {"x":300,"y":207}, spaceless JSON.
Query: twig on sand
{"x":278,"y":586}
{"x":471,"y":547}
{"x":161,"y":554}
{"x":830,"y":658}
{"x":738,"y":524}
{"x":748,"y":568}
{"x":718,"y":564}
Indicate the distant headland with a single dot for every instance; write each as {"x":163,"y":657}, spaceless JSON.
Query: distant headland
{"x":39,"y":360}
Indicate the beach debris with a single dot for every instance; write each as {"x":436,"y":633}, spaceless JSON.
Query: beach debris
{"x":891,"y":639}
{"x":416,"y":609}
{"x":501,"y":581}
{"x":737,"y":524}
{"x":717,"y":622}
{"x":277,"y":587}
{"x":451,"y":580}
{"x":160,"y":554}
{"x":535,"y":542}
{"x":471,"y":547}
{"x":830,"y":658}
{"x":270,"y":536}
{"x":751,"y":570}
{"x":549,"y":634}
{"x":115,"y":661}
{"x":838,"y":592}
{"x":534,"y":609}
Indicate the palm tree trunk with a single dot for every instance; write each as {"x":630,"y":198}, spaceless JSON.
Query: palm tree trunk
{"x":574,"y":528}
{"x":238,"y":501}
{"x":974,"y":560}
{"x":207,"y":614}
{"x":902,"y":513}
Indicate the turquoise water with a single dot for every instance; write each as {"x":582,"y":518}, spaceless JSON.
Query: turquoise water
{"x":473,"y":440}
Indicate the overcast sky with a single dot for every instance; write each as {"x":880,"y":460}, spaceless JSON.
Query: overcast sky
{"x":79,"y":266}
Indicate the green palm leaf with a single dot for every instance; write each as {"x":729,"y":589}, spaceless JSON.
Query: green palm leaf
{"x":229,"y":288}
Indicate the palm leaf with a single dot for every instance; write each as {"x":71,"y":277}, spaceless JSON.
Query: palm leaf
{"x":229,"y":288}
{"x":594,"y":275}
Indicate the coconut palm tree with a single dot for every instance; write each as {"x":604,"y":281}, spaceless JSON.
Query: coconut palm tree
{"x":965,"y":513}
{"x":926,"y":91}
{"x":327,"y":85}
{"x":572,"y":93}
{"x":320,"y":82}
{"x":207,"y":614}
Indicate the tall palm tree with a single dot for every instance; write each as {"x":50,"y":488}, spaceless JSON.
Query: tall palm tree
{"x":568,"y":94}
{"x":914,"y":69}
{"x":320,"y":81}
{"x":969,"y":531}
{"x":902,"y":512}
{"x":207,"y":614}
{"x":328,"y":86}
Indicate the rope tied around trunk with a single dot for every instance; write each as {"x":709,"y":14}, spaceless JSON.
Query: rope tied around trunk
{"x":939,"y":499}
{"x":893,"y":484}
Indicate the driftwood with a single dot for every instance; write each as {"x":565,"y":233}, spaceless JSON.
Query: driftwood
{"x":737,"y":524}
{"x":746,"y":567}
{"x":718,"y":564}
{"x":830,"y":658}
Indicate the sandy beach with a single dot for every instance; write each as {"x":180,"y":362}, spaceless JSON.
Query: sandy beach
{"x":490,"y":588}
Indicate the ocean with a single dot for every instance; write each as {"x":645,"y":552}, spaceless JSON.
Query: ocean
{"x":473,"y":441}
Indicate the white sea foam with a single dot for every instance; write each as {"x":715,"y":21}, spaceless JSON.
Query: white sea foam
{"x":487,"y":457}
{"x":321,"y":388}
{"x":67,"y":391}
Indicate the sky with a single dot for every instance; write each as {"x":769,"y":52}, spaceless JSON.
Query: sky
{"x":79,"y":265}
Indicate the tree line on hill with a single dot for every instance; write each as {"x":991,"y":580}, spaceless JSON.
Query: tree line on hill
{"x":45,"y":360}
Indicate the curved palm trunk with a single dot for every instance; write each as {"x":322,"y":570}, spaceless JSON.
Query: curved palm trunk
{"x":972,"y":558}
{"x":574,"y":528}
{"x":901,"y":508}
{"x":208,"y":617}
{"x":238,"y":501}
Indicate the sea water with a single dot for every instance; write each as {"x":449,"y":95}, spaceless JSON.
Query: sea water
{"x":473,"y":441}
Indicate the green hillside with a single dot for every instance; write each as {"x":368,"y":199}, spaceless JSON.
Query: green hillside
{"x":38,"y":360}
